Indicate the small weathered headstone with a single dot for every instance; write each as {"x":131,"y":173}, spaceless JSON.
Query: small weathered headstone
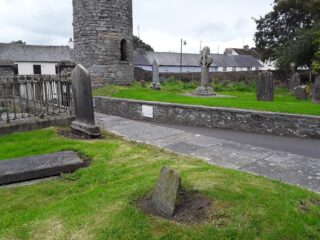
{"x":83,"y":103}
{"x":205,"y":61}
{"x":143,"y":83}
{"x":162,"y":80}
{"x":166,"y":193}
{"x":265,"y":87}
{"x":155,"y":75}
{"x":301,"y":93}
{"x":316,"y":91}
{"x":294,"y":81}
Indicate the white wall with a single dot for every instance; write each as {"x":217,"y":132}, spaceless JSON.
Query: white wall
{"x":26,"y":68}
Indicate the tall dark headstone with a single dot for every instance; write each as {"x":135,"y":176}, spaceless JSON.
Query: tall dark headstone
{"x":301,"y":92}
{"x":83,"y":103}
{"x":155,"y":75}
{"x":265,"y":87}
{"x":316,"y":91}
{"x":294,"y":81}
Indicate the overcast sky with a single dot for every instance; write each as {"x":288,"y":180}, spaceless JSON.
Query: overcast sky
{"x":218,"y":24}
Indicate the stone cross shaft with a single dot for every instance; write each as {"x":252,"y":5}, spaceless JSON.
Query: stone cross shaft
{"x":205,"y":61}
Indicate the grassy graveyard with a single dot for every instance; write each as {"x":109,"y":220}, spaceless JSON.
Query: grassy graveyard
{"x":242,"y":96}
{"x":98,"y":202}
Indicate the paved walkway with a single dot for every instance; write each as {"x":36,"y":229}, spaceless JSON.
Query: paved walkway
{"x":286,"y":167}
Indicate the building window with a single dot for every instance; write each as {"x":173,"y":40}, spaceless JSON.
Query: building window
{"x":37,"y":69}
{"x":224,"y":69}
{"x":16,"y":69}
{"x":234,"y":69}
{"x":249,"y":68}
{"x":124,"y":50}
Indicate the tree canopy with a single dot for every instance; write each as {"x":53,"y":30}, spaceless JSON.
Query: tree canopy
{"x":138,"y":43}
{"x":18,"y":42}
{"x":287,"y":33}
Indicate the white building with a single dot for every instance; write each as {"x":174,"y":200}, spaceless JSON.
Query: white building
{"x":32,"y":59}
{"x":254,"y":52}
{"x":171,"y":62}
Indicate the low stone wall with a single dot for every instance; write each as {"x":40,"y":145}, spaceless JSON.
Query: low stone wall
{"x":212,"y":117}
{"x":29,"y":124}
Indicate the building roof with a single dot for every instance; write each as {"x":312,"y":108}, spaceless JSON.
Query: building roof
{"x":6,"y":63}
{"x":254,"y":52}
{"x":34,"y":53}
{"x":173,"y":59}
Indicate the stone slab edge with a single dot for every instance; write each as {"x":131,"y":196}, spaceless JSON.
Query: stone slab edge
{"x":24,"y":169}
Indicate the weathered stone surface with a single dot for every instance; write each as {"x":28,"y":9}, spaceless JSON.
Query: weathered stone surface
{"x":99,"y":29}
{"x":205,"y":62}
{"x":155,"y":75}
{"x":265,"y":87}
{"x":301,"y":93}
{"x":30,"y":168}
{"x":294,"y":81}
{"x":214,"y":117}
{"x":316,"y":91}
{"x":83,"y":102}
{"x":166,"y":193}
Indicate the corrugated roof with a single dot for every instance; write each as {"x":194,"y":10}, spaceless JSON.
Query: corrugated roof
{"x":34,"y":53}
{"x":173,"y":59}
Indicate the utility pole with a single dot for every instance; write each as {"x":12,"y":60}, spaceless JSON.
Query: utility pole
{"x":183,"y":42}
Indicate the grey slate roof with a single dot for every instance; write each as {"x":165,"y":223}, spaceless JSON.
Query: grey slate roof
{"x":6,"y":63}
{"x":173,"y":59}
{"x":33,"y":53}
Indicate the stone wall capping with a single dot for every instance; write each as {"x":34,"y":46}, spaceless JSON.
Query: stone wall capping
{"x":262,"y":122}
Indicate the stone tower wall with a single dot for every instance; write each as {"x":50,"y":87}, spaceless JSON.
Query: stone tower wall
{"x":99,"y":27}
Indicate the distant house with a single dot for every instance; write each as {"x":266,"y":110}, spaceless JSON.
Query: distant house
{"x":47,"y":60}
{"x":254,"y":52}
{"x":32,"y":59}
{"x":170,"y":62}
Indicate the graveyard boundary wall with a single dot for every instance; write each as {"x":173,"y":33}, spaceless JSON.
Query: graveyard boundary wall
{"x":212,"y":117}
{"x":23,"y":125}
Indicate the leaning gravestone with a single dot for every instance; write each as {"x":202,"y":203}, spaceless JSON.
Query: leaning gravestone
{"x":205,"y":61}
{"x":165,"y":196}
{"x":301,"y":93}
{"x":316,"y":91}
{"x":83,"y":103}
{"x":265,"y":87}
{"x":294,"y":81}
{"x":155,"y":75}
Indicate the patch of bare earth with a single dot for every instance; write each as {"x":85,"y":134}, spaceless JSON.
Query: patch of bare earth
{"x":193,"y":208}
{"x":72,"y":134}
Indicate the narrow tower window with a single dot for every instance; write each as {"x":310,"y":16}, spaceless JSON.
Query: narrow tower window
{"x":124,"y":50}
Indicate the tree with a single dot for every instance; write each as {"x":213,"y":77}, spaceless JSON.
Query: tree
{"x":301,"y":50}
{"x":18,"y":42}
{"x":287,"y":19}
{"x":138,"y":43}
{"x":316,"y":62}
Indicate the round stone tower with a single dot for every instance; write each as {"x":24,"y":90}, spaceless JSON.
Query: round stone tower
{"x":103,"y":39}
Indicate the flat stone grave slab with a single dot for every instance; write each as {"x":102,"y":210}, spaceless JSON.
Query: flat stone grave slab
{"x":37,"y":167}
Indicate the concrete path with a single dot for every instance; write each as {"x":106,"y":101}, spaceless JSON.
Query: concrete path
{"x":279,"y":165}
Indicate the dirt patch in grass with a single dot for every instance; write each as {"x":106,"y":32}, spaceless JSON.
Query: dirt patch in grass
{"x":72,"y":134}
{"x":193,"y":208}
{"x":306,"y":205}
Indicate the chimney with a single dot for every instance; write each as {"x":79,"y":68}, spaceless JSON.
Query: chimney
{"x":71,"y":43}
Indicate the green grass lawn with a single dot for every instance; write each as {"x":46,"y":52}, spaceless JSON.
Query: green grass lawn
{"x":98,"y":202}
{"x":244,"y":97}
